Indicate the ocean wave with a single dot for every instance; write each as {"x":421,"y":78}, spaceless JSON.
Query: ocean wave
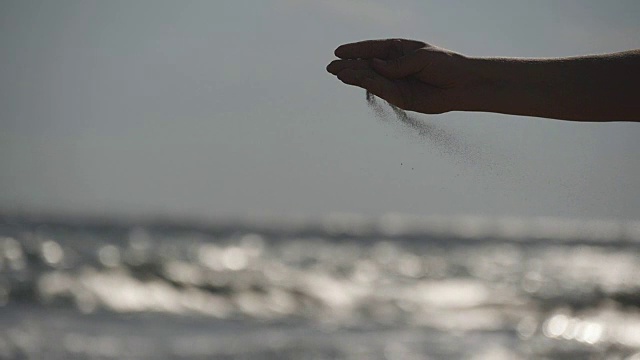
{"x":569,"y":284}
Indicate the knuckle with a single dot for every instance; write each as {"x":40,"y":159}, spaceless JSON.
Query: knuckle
{"x":394,"y":48}
{"x":397,"y":46}
{"x":423,"y":53}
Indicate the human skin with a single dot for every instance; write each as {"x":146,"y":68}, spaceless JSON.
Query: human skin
{"x":416,"y":76}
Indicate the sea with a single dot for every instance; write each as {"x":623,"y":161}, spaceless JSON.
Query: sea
{"x":342,"y":286}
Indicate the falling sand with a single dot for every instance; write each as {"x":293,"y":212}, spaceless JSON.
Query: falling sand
{"x":446,"y":142}
{"x":480,"y":157}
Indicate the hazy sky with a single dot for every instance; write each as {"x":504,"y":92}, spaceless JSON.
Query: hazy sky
{"x":224,"y":108}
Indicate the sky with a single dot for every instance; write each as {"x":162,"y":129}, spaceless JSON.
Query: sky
{"x":224,"y":108}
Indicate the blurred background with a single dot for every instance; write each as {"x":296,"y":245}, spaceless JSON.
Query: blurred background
{"x":189,"y":167}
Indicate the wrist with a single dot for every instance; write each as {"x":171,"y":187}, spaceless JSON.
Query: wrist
{"x":481,"y":82}
{"x":509,"y":86}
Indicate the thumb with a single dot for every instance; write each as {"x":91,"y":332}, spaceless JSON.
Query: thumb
{"x":400,"y":67}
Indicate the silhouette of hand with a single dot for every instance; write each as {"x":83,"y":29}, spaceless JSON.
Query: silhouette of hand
{"x":409,"y":74}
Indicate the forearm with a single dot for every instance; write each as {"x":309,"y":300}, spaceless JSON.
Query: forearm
{"x":591,"y":88}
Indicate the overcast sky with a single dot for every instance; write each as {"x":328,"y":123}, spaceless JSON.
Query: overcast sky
{"x":224,"y":108}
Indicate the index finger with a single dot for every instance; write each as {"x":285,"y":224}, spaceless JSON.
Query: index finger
{"x":381,"y":49}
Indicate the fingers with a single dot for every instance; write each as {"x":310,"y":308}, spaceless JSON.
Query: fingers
{"x":338,"y":65}
{"x":385,"y":89}
{"x":382,"y":49}
{"x":368,"y":79}
{"x":402,"y":66}
{"x":355,"y":76}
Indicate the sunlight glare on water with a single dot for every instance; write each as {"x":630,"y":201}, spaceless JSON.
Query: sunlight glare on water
{"x":422,"y":288}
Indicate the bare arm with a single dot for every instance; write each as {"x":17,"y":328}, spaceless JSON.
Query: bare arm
{"x":419,"y":77}
{"x":590,"y":88}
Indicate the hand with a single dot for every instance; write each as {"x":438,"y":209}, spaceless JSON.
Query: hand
{"x":420,"y":77}
{"x":409,"y":74}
